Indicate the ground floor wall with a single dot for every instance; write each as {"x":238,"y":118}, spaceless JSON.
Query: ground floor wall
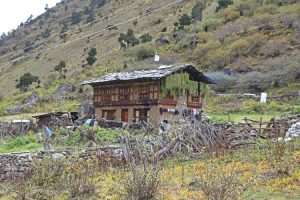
{"x":152,"y":118}
{"x":156,"y":113}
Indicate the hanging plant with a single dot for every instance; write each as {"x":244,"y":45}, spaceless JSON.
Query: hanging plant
{"x":178,"y":84}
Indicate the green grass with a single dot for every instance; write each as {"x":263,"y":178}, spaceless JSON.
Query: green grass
{"x":239,"y":117}
{"x":23,"y":143}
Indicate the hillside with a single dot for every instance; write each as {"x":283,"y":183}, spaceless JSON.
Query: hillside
{"x":248,"y":46}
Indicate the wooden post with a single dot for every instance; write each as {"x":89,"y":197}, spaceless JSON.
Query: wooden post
{"x":275,"y":128}
{"x":260,"y":123}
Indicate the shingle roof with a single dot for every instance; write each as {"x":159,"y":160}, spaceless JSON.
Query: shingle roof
{"x":154,"y":74}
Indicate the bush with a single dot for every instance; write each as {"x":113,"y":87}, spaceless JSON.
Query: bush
{"x":46,"y":33}
{"x":142,"y":181}
{"x":202,"y":50}
{"x":211,"y":24}
{"x":217,"y":59}
{"x":164,"y":29}
{"x":75,"y":18}
{"x":26,"y":80}
{"x":185,"y":20}
{"x":246,"y":7}
{"x":239,"y":48}
{"x":230,"y":14}
{"x":91,"y":59}
{"x":219,"y":185}
{"x":274,"y":48}
{"x":255,"y":42}
{"x":197,"y":11}
{"x":128,"y":39}
{"x":143,"y":53}
{"x":223,"y":4}
{"x":146,"y":38}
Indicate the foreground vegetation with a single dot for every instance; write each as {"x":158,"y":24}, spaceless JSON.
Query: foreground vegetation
{"x":62,"y":138}
{"x":263,"y":171}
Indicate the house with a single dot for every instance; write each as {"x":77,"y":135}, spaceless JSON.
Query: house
{"x":149,"y":95}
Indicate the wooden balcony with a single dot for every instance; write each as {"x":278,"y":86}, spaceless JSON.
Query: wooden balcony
{"x":168,"y":101}
{"x":145,"y":102}
{"x":194,"y":101}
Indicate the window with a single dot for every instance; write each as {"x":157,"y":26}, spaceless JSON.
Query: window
{"x":144,"y":92}
{"x":102,"y":94}
{"x":195,"y":99}
{"x":109,"y":114}
{"x":141,"y":115}
{"x":124,"y":93}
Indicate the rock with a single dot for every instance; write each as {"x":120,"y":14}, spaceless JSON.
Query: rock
{"x":86,"y":110}
{"x":65,"y":88}
{"x":17,"y":109}
{"x":57,"y":156}
{"x":33,"y":99}
{"x":161,"y":41}
{"x":294,"y":131}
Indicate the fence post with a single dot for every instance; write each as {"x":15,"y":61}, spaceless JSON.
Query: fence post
{"x":260,"y":123}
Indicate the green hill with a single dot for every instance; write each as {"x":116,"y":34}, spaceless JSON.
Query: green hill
{"x":248,"y":46}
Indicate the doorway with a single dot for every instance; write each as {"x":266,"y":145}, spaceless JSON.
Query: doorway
{"x":124,"y":115}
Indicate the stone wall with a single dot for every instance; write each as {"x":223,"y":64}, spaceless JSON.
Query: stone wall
{"x":21,"y":165}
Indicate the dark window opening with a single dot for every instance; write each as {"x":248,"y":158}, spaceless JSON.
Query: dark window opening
{"x":141,"y":115}
{"x":109,"y":114}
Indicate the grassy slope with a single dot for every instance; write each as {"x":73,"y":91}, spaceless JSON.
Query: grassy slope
{"x":233,"y":42}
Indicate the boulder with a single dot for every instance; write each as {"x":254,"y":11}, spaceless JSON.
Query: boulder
{"x":33,"y":99}
{"x":86,"y":110}
{"x":65,"y":88}
{"x":161,"y":41}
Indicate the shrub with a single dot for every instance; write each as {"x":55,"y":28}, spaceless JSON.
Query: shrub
{"x":219,"y":185}
{"x":98,"y":3}
{"x":46,"y":33}
{"x":197,"y":11}
{"x":128,"y":39}
{"x":63,"y":32}
{"x":28,"y":46}
{"x":202,"y":50}
{"x":185,"y":20}
{"x":264,"y":22}
{"x":143,"y":53}
{"x":91,"y":59}
{"x":255,"y":42}
{"x":246,"y":8}
{"x":61,"y":67}
{"x":223,"y":4}
{"x":146,"y":38}
{"x":75,"y":18}
{"x":217,"y":59}
{"x":90,"y":18}
{"x":239,"y":48}
{"x":274,"y":48}
{"x":230,"y":14}
{"x":211,"y":24}
{"x":143,"y":182}
{"x":25,"y":80}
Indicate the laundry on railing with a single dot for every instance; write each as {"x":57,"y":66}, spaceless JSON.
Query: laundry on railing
{"x":184,"y":112}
